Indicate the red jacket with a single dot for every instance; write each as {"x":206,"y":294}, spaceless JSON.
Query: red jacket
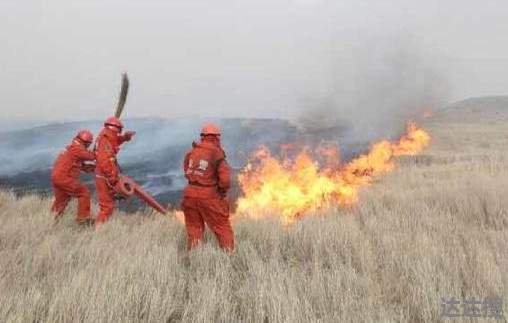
{"x":69,"y":163}
{"x":107,"y":147}
{"x":207,"y":171}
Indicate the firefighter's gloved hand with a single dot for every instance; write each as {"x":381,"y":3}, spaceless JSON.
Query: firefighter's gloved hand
{"x":223,"y":193}
{"x":119,"y":197}
{"x":113,"y":181}
{"x":129,"y":134}
{"x":118,"y":194}
{"x":88,"y":168}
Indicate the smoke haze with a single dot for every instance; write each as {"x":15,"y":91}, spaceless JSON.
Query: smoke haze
{"x":302,"y":60}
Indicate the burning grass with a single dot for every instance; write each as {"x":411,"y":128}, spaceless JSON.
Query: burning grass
{"x":435,"y":227}
{"x":293,"y":187}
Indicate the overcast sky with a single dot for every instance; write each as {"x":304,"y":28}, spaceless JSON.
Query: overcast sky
{"x":62,"y":59}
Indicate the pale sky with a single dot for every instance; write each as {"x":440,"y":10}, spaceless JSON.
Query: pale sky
{"x":62,"y":59}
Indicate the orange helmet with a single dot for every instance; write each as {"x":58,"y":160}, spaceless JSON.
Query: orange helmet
{"x":210,"y":129}
{"x":114,"y":121}
{"x":85,"y":136}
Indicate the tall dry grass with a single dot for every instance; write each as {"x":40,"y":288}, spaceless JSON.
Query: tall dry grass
{"x":436,"y":227}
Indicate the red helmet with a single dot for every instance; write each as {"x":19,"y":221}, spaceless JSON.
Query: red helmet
{"x":114,"y":121}
{"x":85,"y":136}
{"x":210,"y":129}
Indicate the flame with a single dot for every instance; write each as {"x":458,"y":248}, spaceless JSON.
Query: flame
{"x":427,"y":113}
{"x":293,"y":187}
{"x":179,"y":216}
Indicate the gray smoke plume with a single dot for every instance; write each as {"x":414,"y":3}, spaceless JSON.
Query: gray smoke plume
{"x":386,"y":82}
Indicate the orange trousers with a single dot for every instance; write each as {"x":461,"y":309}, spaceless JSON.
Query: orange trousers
{"x":106,"y":197}
{"x":213,"y":212}
{"x":66,"y":189}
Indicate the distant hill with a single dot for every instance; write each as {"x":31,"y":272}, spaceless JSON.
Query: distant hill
{"x":485,"y":103}
{"x":19,"y":124}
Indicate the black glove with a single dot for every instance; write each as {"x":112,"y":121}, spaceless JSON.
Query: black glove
{"x":129,"y":134}
{"x":223,"y":193}
{"x":119,"y":197}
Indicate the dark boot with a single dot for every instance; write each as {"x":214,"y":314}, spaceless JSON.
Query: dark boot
{"x":87,"y":222}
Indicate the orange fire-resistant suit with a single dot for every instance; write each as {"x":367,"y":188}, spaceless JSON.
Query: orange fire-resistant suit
{"x":204,"y":199}
{"x":107,"y":171}
{"x":65,"y":180}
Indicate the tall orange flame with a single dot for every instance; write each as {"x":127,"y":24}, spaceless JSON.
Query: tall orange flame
{"x":291,"y":188}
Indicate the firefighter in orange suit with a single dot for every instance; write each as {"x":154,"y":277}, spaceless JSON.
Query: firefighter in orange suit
{"x":204,"y":198}
{"x":107,"y":171}
{"x":65,"y":177}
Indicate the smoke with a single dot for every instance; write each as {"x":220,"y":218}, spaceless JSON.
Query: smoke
{"x":387,"y":80}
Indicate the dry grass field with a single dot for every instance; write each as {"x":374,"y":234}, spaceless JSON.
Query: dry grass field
{"x":436,"y":227}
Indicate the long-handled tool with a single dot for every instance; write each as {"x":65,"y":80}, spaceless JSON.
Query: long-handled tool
{"x":123,"y":95}
{"x":126,"y":186}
